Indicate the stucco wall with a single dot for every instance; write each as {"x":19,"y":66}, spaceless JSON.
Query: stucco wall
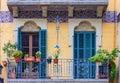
{"x":6,"y":34}
{"x":63,"y":40}
{"x":108,"y":36}
{"x":110,"y":31}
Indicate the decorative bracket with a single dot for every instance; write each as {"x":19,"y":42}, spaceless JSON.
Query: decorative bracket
{"x":15,"y":11}
{"x":44,"y":11}
{"x":70,"y":11}
{"x":99,"y":11}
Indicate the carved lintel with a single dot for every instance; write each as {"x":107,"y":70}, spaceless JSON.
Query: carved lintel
{"x":99,"y":11}
{"x":15,"y":11}
{"x":85,"y":26}
{"x":44,"y":11}
{"x":70,"y":11}
{"x":30,"y":26}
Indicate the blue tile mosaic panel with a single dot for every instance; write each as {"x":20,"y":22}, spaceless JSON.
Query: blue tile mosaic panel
{"x":110,"y":17}
{"x":29,"y":14}
{"x":5,"y":17}
{"x":63,"y":16}
{"x":85,"y":14}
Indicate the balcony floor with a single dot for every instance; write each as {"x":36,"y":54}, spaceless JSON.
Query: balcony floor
{"x":57,"y":81}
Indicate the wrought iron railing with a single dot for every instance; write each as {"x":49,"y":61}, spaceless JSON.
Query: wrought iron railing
{"x":64,"y":69}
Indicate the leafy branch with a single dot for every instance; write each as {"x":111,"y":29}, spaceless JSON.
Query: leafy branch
{"x":104,"y":56}
{"x":9,"y":48}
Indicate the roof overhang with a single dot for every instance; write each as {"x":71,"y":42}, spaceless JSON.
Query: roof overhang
{"x":57,"y":5}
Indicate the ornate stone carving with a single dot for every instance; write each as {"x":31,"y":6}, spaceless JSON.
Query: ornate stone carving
{"x":30,"y":26}
{"x":84,"y":26}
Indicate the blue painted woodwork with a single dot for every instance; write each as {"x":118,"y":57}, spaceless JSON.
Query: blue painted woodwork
{"x":19,"y":64}
{"x":42,"y":48}
{"x":84,"y":47}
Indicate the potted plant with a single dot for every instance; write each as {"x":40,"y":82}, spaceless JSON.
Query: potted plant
{"x":56,"y":55}
{"x":4,"y":63}
{"x":17,"y":55}
{"x":107,"y":57}
{"x":49,"y":59}
{"x":28,"y":58}
{"x":8,"y":49}
{"x":38,"y":55}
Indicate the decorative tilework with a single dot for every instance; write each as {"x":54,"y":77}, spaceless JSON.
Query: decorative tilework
{"x":77,"y":14}
{"x":110,"y":16}
{"x":63,"y":15}
{"x":29,"y":14}
{"x":85,"y":14}
{"x":5,"y":17}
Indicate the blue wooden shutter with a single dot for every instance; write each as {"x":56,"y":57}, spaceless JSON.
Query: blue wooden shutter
{"x":19,"y":39}
{"x":42,"y":48}
{"x":84,"y":47}
{"x":19,"y":64}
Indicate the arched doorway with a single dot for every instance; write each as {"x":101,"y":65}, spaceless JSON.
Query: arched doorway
{"x":84,"y":47}
{"x":31,"y":38}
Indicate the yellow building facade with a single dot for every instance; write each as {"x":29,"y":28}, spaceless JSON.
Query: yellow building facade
{"x":106,"y":31}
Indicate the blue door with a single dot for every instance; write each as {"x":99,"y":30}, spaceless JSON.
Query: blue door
{"x":84,"y":47}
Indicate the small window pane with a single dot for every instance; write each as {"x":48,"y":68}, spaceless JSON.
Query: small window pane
{"x":35,"y":39}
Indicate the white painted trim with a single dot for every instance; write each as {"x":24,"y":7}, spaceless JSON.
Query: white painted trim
{"x":97,"y":23}
{"x":42,"y":23}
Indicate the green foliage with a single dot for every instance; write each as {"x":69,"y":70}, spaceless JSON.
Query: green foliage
{"x":9,"y":48}
{"x":17,"y":53}
{"x":99,"y":57}
{"x":112,"y":72}
{"x":104,"y":56}
{"x":113,"y":55}
{"x":56,"y":55}
{"x":38,"y":54}
{"x":26,"y":55}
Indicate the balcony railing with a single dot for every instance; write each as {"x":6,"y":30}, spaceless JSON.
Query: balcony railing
{"x":58,"y":2}
{"x":64,"y":69}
